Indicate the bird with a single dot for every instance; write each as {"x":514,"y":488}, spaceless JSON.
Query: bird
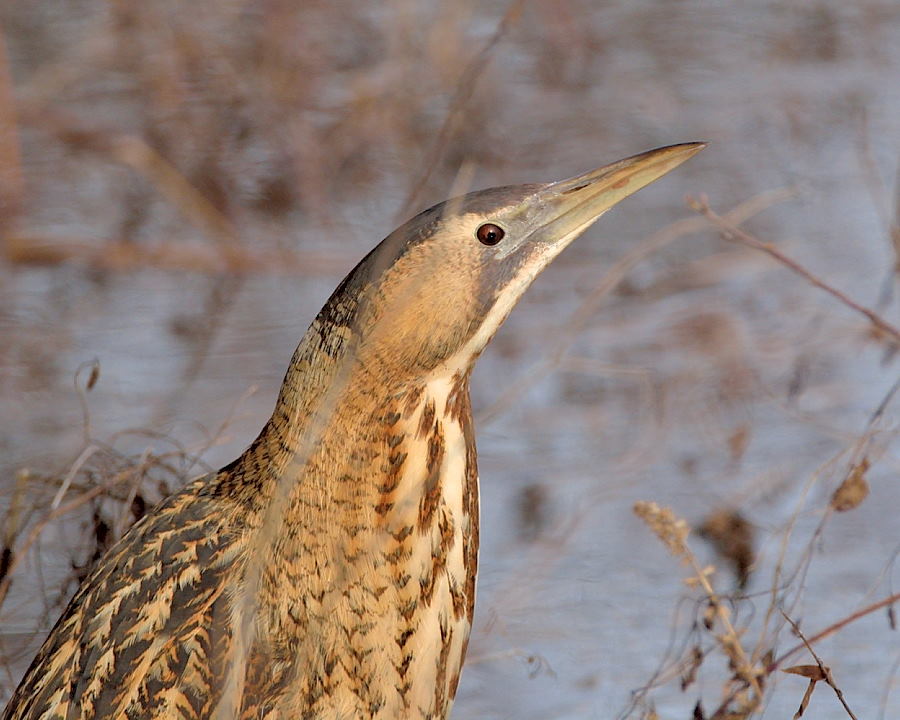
{"x":329,"y":571}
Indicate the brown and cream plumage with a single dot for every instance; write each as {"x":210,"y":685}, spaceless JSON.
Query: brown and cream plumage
{"x":329,"y":572}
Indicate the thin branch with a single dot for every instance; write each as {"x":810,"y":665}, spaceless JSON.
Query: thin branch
{"x":73,"y":471}
{"x":826,"y":671}
{"x":464,"y":90}
{"x":43,"y":523}
{"x":115,"y":255}
{"x":12,"y":182}
{"x":731,"y":232}
{"x":832,"y":629}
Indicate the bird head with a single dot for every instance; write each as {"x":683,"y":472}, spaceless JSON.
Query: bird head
{"x":430,"y":296}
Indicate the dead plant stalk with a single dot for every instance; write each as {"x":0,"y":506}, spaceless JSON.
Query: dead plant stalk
{"x":732,"y":232}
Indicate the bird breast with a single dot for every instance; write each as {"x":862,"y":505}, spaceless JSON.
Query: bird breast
{"x":386,"y":619}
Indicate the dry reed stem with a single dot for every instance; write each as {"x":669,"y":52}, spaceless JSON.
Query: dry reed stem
{"x":888,"y":211}
{"x":464,"y":89}
{"x":12,"y":183}
{"x":132,"y":151}
{"x":857,"y":465}
{"x":41,"y":524}
{"x":732,"y":232}
{"x":825,"y":670}
{"x":832,"y":629}
{"x":136,"y":470}
{"x":118,"y":256}
{"x":74,"y":469}
{"x":673,"y":532}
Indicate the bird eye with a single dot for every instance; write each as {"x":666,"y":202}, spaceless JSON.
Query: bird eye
{"x":489,"y":234}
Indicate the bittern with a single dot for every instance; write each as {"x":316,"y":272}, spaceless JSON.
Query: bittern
{"x":329,"y":571}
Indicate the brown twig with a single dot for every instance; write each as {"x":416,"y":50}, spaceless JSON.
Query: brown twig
{"x":673,"y":531}
{"x":731,"y":232}
{"x":121,"y":256}
{"x":39,"y":526}
{"x":826,"y":671}
{"x":832,"y":629}
{"x":12,"y":184}
{"x":59,"y":509}
{"x":134,"y":152}
{"x":464,"y":90}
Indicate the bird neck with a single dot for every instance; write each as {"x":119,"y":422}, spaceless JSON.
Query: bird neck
{"x":362,"y":495}
{"x":338,"y":409}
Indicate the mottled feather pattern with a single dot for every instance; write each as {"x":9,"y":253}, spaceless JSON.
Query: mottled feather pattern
{"x":361,"y":614}
{"x":382,"y":631}
{"x":146,"y":615}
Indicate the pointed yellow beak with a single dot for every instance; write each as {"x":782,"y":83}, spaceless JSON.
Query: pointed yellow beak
{"x":568,"y":207}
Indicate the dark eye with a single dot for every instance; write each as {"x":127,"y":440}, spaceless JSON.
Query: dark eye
{"x":490,"y":234}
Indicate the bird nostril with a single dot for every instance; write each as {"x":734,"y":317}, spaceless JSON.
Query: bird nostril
{"x":490,"y":234}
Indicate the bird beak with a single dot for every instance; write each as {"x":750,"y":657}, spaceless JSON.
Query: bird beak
{"x":565,"y":209}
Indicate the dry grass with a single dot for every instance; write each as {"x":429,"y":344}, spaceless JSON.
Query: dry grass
{"x":750,"y":668}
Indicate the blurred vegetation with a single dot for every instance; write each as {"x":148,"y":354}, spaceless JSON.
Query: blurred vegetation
{"x":181,"y":184}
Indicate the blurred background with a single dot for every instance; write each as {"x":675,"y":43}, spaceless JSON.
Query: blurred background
{"x":183,"y":184}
